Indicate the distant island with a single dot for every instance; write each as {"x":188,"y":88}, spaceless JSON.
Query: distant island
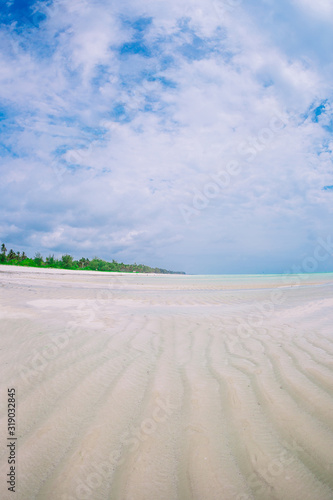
{"x":67,"y":262}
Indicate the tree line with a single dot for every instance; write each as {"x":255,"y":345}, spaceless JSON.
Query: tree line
{"x":68,"y":262}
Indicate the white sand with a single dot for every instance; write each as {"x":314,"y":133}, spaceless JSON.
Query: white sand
{"x":136,"y":387}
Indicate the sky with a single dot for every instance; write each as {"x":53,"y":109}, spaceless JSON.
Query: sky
{"x":192,"y":135}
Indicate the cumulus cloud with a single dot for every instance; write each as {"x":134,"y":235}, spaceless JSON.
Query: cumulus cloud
{"x":323,"y":8}
{"x":183,"y":134}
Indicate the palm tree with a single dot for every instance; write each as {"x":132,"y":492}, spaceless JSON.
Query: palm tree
{"x":50,"y":260}
{"x":11,"y":254}
{"x":3,"y":249}
{"x":67,"y":261}
{"x":38,"y":259}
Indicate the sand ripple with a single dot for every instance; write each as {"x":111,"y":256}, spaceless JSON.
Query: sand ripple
{"x":168,"y":387}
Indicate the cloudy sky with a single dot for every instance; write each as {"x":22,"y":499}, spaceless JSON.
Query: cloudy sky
{"x":193,"y":135}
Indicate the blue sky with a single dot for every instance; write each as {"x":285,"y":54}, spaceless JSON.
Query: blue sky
{"x":193,"y":135}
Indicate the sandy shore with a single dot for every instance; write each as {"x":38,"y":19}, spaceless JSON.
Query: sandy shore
{"x":166,"y":387}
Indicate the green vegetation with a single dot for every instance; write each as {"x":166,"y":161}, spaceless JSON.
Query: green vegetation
{"x":67,"y":262}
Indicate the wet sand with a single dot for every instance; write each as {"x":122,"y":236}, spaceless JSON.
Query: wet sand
{"x":166,"y":387}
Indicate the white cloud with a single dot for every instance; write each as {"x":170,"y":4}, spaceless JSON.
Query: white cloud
{"x":322,"y":8}
{"x":109,"y":146}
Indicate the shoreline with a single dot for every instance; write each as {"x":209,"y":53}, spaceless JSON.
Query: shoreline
{"x":4,"y":267}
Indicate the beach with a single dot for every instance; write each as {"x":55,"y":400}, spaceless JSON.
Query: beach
{"x":167,"y":387}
